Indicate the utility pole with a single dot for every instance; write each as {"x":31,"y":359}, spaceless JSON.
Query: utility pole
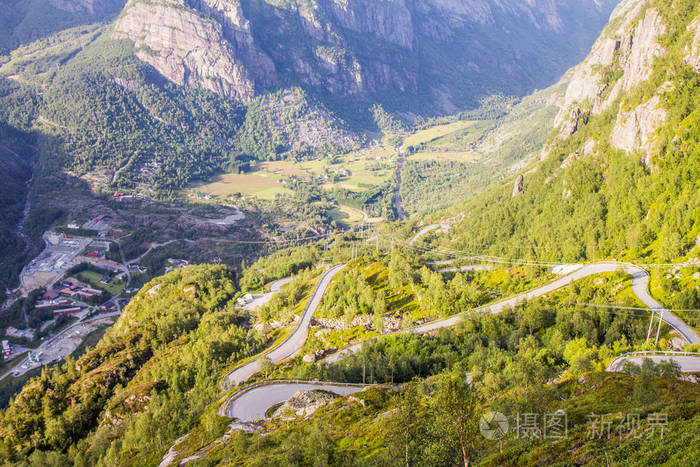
{"x":651,"y":324}
{"x":658,"y":331}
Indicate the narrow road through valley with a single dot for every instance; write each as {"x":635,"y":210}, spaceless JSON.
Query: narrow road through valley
{"x":425,"y":230}
{"x":398,"y":206}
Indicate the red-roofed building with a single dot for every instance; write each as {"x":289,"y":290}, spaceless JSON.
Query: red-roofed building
{"x":66,"y":311}
{"x":50,"y":295}
{"x":91,"y":291}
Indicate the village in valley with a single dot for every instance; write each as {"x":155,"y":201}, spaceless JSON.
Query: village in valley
{"x":75,"y":288}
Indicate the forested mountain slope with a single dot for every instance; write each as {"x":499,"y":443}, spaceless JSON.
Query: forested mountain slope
{"x":620,"y":174}
{"x":16,"y":161}
{"x":618,"y":177}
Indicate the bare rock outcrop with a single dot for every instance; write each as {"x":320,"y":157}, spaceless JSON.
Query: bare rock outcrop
{"x":631,"y":54}
{"x":368,"y":48}
{"x":192,"y":50}
{"x":518,"y":186}
{"x":645,"y":49}
{"x":692,"y":56}
{"x":635,"y":130}
{"x":585,"y":82}
{"x":303,"y":404}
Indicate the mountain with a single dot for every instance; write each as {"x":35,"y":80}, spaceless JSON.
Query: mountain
{"x":150,"y":340}
{"x":619,"y":176}
{"x":22,"y":21}
{"x":165,"y":92}
{"x":428,"y":55}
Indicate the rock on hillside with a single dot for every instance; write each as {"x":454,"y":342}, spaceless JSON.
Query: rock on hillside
{"x":622,"y":48}
{"x":446,"y":53}
{"x":303,"y":404}
{"x":620,"y":60}
{"x":692,"y":56}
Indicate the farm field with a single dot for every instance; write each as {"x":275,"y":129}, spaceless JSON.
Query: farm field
{"x":433,"y":133}
{"x":282,"y":168}
{"x":259,"y":184}
{"x":461,"y":156}
{"x":350,"y":217}
{"x":356,"y":171}
{"x":368,"y":168}
{"x":93,"y":278}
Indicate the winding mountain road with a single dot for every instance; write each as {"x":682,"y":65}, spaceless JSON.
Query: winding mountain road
{"x":293,"y":344}
{"x":688,"y":362}
{"x":252,"y":402}
{"x":640,"y":282}
{"x":425,"y":230}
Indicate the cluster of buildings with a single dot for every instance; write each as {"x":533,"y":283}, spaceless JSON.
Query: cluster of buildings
{"x":135,"y":267}
{"x":74,"y":310}
{"x":51,"y":300}
{"x":76,"y":291}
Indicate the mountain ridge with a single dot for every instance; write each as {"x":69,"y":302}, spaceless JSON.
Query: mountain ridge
{"x":372,"y":50}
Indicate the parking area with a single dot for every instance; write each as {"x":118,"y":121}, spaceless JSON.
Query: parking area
{"x":56,"y":348}
{"x":57,"y":257}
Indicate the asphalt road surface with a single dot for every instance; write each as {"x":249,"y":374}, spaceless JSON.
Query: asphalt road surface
{"x":687,"y":363}
{"x":251,"y":405}
{"x":640,"y":282}
{"x":294,"y":342}
{"x":425,"y":230}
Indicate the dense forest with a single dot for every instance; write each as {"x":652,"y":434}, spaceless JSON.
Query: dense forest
{"x":16,"y":160}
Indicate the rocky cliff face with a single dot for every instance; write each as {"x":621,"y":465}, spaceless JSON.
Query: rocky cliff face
{"x":193,"y":50}
{"x":616,"y":50}
{"x":620,"y":60}
{"x":446,"y":53}
{"x":692,"y":56}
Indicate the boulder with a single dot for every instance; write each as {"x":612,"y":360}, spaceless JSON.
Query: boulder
{"x":518,"y":186}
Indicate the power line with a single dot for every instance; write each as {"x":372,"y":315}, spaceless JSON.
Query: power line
{"x":528,"y":262}
{"x":630,"y":307}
